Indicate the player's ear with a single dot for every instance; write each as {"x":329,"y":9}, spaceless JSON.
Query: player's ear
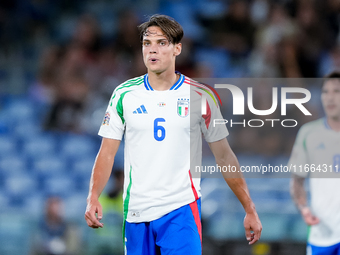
{"x":178,"y":49}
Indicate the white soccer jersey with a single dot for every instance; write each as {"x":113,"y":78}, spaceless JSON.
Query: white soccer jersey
{"x":160,"y":127}
{"x":317,"y":147}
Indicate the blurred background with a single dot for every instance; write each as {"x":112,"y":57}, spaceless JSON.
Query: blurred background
{"x":60,"y":62}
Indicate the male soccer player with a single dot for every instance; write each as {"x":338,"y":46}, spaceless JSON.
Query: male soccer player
{"x":317,"y":152}
{"x":162,"y":133}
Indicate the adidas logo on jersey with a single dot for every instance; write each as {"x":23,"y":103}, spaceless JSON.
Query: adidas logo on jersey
{"x":135,"y":214}
{"x":140,"y":110}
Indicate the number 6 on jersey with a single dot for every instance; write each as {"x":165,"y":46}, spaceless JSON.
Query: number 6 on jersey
{"x":158,"y":130}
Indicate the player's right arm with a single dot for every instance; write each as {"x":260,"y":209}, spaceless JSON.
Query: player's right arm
{"x":100,"y":175}
{"x":225,"y":156}
{"x":298,"y":157}
{"x":299,"y":196}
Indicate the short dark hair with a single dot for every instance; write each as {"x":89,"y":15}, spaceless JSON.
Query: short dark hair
{"x":335,"y":75}
{"x":171,"y":28}
{"x":332,"y":75}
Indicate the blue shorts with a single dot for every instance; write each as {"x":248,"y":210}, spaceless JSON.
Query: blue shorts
{"x":328,"y":250}
{"x":178,"y":232}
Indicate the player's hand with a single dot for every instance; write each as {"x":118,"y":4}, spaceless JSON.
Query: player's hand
{"x":308,"y":216}
{"x":253,"y":227}
{"x":94,"y":214}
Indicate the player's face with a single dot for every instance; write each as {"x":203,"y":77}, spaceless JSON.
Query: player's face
{"x":158,"y":53}
{"x":330,"y":98}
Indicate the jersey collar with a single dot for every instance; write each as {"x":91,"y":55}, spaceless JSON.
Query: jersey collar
{"x":174,"y":87}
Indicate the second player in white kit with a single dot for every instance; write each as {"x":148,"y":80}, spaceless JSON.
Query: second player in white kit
{"x":316,"y":154}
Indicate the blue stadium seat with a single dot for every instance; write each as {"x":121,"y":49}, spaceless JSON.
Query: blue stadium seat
{"x":82,"y":182}
{"x":22,"y":184}
{"x":8,"y":145}
{"x":29,"y":130}
{"x":83,"y":166}
{"x":34,"y":204}
{"x":60,"y":185}
{"x":81,"y":172}
{"x":50,"y":166}
{"x":39,"y":146}
{"x":78,"y":146}
{"x":20,"y":107}
{"x":21,"y":110}
{"x":4,"y":201}
{"x":76,"y":205}
{"x":4,"y":125}
{"x":13,"y":164}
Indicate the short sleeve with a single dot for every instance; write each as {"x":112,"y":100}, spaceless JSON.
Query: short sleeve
{"x":299,"y":153}
{"x":113,"y":125}
{"x":212,"y":125}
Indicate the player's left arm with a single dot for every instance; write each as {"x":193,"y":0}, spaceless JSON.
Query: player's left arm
{"x":224,"y":156}
{"x":299,"y":196}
